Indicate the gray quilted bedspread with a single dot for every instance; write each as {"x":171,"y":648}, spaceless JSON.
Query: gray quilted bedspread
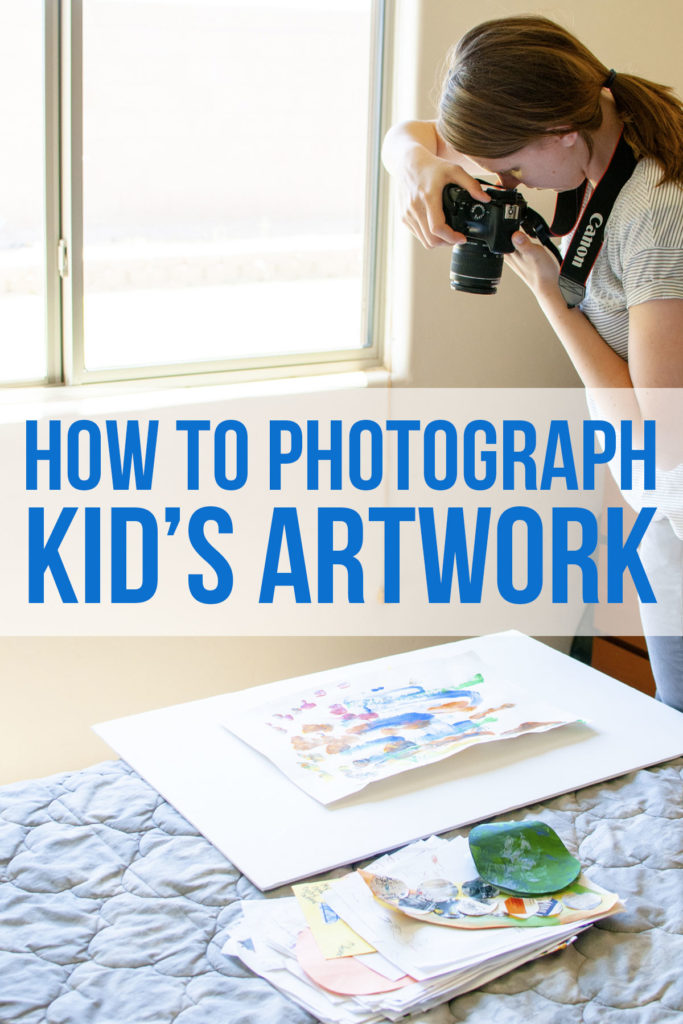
{"x":113,"y":910}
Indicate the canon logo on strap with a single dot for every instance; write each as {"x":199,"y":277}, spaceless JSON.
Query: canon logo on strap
{"x":594,"y":223}
{"x":589,"y":233}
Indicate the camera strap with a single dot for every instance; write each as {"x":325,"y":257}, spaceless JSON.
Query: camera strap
{"x":588,"y":236}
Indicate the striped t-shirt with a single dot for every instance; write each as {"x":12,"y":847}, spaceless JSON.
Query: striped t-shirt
{"x":641,"y":259}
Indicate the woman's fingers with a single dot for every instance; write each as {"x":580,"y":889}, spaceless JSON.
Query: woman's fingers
{"x":532,"y":262}
{"x":414,"y":225}
{"x":438,"y":230}
{"x":423,"y":200}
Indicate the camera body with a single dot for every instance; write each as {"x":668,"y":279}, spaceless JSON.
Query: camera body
{"x":492,"y":223}
{"x":476,"y":265}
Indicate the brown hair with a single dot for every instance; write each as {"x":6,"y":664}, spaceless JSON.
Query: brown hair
{"x":512,"y":80}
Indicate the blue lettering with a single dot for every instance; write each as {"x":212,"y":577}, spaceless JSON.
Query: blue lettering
{"x":439,"y":574}
{"x":43,"y":555}
{"x":523,"y":455}
{"x":284,"y":528}
{"x":559,"y":438}
{"x":591,"y":456}
{"x":329,"y":556}
{"x":534,"y":555}
{"x":622,"y":555}
{"x":449,"y":477}
{"x":239,"y":478}
{"x":213,"y":557}
{"x":193,"y":428}
{"x":403,"y":429}
{"x":563,"y":556}
{"x":488,"y":456}
{"x":646,"y":455}
{"x":73,"y":446}
{"x":315,"y":455}
{"x":392,"y":519}
{"x":142,"y":466}
{"x":92,"y":555}
{"x":356,"y":478}
{"x":278,"y":456}
{"x":121,"y":518}
{"x":52,"y":455}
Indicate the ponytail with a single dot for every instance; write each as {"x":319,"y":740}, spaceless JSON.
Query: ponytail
{"x":653,"y":122}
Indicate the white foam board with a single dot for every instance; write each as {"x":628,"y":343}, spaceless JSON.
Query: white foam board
{"x":275,"y":833}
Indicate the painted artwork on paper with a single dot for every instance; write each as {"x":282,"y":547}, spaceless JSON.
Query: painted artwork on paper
{"x":335,"y":739}
{"x":449,"y":903}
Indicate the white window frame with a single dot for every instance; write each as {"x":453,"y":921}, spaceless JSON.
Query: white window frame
{"x":64,"y":228}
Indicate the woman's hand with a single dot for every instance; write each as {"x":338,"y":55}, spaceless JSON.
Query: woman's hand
{"x":537,"y":267}
{"x":423,"y":183}
{"x":423,"y":164}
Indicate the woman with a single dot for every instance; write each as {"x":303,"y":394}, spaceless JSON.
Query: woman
{"x":525,"y":100}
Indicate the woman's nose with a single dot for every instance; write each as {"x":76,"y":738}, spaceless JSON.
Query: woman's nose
{"x":508,"y":180}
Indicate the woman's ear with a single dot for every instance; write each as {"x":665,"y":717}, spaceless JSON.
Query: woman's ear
{"x":569,"y":139}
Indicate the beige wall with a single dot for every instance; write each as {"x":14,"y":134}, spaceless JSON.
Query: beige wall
{"x":54,"y":689}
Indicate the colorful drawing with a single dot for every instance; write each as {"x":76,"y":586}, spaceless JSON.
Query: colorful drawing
{"x":446,"y":902}
{"x":335,"y":740}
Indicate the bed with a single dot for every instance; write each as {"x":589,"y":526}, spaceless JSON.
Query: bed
{"x":114,"y":910}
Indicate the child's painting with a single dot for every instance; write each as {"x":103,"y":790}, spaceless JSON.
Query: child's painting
{"x":335,"y":740}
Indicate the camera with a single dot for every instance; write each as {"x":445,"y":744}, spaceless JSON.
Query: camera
{"x":477,"y":264}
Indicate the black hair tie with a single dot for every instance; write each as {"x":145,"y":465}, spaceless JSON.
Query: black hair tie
{"x":607,"y":84}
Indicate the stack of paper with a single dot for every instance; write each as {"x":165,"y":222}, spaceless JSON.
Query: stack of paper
{"x":348,"y":958}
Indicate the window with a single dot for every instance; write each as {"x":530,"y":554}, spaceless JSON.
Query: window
{"x":215,"y":202}
{"x":23,"y":350}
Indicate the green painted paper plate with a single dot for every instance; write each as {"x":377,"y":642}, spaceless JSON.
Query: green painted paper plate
{"x":525,"y":857}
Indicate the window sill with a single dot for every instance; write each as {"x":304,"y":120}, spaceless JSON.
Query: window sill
{"x":20,"y":403}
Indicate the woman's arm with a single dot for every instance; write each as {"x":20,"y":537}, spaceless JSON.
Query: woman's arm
{"x":423,"y":164}
{"x":655,"y":357}
{"x":598,"y":365}
{"x":643,"y":387}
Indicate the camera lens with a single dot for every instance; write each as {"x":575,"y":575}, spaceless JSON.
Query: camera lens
{"x":475,"y":269}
